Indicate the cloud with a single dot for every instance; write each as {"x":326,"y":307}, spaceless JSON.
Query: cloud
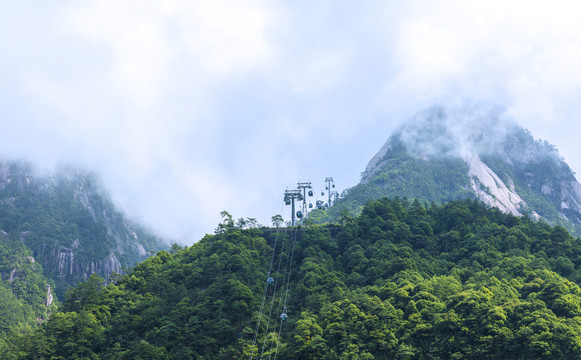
{"x":127,"y":88}
{"x":522,"y":55}
{"x":188,"y":108}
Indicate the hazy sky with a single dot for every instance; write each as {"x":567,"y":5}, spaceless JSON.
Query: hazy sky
{"x":187,"y":108}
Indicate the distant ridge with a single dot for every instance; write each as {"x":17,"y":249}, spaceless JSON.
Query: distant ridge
{"x":68,"y":223}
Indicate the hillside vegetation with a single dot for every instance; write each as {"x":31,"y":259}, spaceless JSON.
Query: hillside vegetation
{"x":400,"y":281}
{"x":26,"y":295}
{"x":437,"y":180}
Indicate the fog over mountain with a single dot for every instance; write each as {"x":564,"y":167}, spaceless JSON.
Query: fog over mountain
{"x":456,"y":132}
{"x":188,"y":108}
{"x":464,"y":131}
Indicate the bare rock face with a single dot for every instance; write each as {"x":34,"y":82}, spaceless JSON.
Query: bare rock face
{"x":49,"y":297}
{"x":63,"y":262}
{"x":491,"y":189}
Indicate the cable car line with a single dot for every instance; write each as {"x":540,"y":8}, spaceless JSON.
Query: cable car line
{"x":284,"y":315}
{"x":264,"y":295}
{"x":290,"y":196}
{"x":273,"y":296}
{"x":266,"y":285}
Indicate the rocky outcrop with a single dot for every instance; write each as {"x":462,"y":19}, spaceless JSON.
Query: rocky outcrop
{"x":491,"y":189}
{"x":49,"y":297}
{"x":12,"y":273}
{"x":66,"y":263}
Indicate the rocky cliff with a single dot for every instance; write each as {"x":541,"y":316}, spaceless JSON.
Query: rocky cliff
{"x":69,"y":223}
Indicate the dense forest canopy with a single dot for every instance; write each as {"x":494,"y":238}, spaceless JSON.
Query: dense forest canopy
{"x":403,"y":280}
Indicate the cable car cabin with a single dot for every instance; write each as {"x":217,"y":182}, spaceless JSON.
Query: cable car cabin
{"x":333,"y":186}
{"x":287,"y":201}
{"x":310,"y":206}
{"x":310,"y":192}
{"x":299,"y":214}
{"x":283,"y":316}
{"x":322,"y":193}
{"x":270,"y":281}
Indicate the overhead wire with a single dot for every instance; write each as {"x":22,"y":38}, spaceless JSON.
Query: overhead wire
{"x":283,"y":294}
{"x":272,"y":299}
{"x":286,"y":292}
{"x":264,"y":297}
{"x":266,"y":284}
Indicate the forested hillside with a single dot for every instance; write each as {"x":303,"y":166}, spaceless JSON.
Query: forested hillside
{"x":55,"y":230}
{"x":403,"y":280}
{"x":26,"y":295}
{"x":66,"y":221}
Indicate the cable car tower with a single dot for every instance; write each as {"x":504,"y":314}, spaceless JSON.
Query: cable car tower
{"x":330,"y":185}
{"x":304,"y":186}
{"x":289,"y":198}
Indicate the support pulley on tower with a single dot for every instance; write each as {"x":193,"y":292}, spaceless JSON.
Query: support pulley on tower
{"x":304,"y":186}
{"x":332,"y":195}
{"x":289,"y":199}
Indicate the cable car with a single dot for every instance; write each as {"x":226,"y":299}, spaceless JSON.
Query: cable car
{"x":326,"y":188}
{"x":283,"y":316}
{"x":270,"y":281}
{"x":287,"y":200}
{"x":326,"y":205}
{"x":310,"y":192}
{"x":322,"y":193}
{"x":299,"y":214}
{"x":333,"y":186}
{"x":310,"y":205}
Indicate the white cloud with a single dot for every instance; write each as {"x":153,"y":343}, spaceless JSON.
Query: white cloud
{"x":521,"y":54}
{"x":129,"y":86}
{"x":188,"y":108}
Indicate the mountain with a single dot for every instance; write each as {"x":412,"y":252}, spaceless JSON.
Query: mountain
{"x":402,"y":280}
{"x":447,"y":154}
{"x":68,"y":224}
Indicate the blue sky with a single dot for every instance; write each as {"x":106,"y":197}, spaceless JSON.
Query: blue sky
{"x":188,"y":108}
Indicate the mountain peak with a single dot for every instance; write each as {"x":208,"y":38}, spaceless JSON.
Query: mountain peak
{"x":443,"y":154}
